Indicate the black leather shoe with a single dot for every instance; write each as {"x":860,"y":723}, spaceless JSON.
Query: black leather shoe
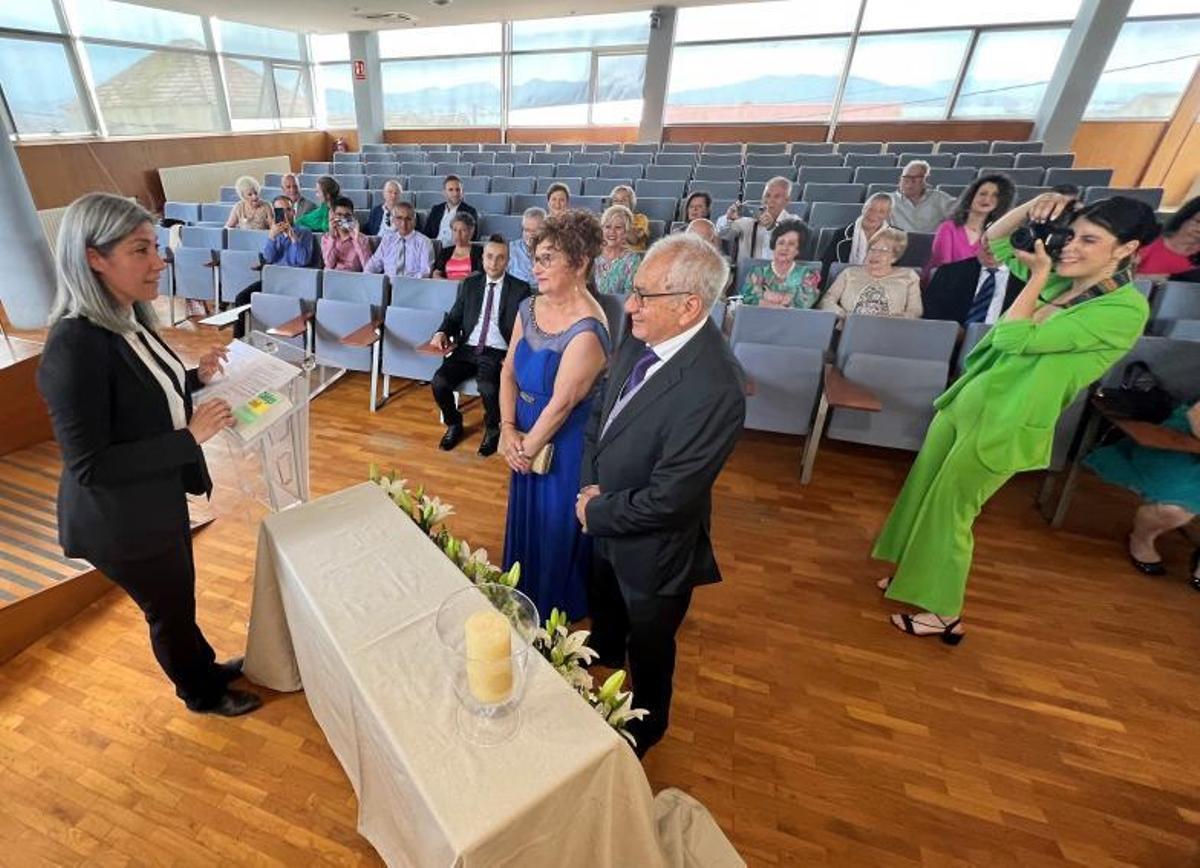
{"x":1195,"y":579}
{"x":1150,"y":568}
{"x":491,"y":441}
{"x":231,"y":670}
{"x":234,"y":703}
{"x":452,"y":437}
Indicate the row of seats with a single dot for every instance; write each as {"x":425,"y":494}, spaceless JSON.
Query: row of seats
{"x":425,"y":178}
{"x":927,"y":147}
{"x":454,"y":162}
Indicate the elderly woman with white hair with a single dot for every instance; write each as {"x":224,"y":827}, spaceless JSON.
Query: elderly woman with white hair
{"x":120,"y":402}
{"x":616,"y":265}
{"x":251,"y":212}
{"x":639,"y":232}
{"x":877,"y":287}
{"x":380,"y":219}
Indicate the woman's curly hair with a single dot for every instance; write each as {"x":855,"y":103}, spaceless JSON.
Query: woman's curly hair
{"x":576,"y":233}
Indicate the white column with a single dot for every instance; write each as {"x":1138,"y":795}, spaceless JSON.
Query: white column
{"x":27,"y":291}
{"x":658,"y":72}
{"x":1092,"y":36}
{"x":368,"y":94}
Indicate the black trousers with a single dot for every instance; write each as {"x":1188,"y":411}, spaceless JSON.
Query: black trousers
{"x":243,"y":297}
{"x":645,"y":628}
{"x":460,"y":366}
{"x":164,"y":587}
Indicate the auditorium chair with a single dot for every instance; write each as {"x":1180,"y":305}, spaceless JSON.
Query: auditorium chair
{"x":229,"y":194}
{"x":855,"y":160}
{"x":669,"y":173}
{"x":876,"y":175}
{"x":717,"y":173}
{"x":782,"y":352}
{"x":1001,"y":146}
{"x":661,"y":188}
{"x":346,"y":328}
{"x":1030,"y":177}
{"x":622,"y":170}
{"x":910,"y":148}
{"x":828,"y":160}
{"x":490,"y":203}
{"x":1174,"y":302}
{"x":603,"y":186}
{"x":818,"y":192}
{"x":722,"y":189}
{"x":577,"y":170}
{"x":935,"y":161}
{"x":574,"y":185}
{"x":534,"y":170}
{"x":975,"y":161}
{"x":215,"y":212}
{"x":1079,"y":177}
{"x":825,"y":175}
{"x":766,"y":173}
{"x":505,"y":225}
{"x":514,"y":185}
{"x":284,"y":309}
{"x":1045,"y":161}
{"x":494,"y":170}
{"x":812,"y":148}
{"x":975,"y":147}
{"x":515,"y":157}
{"x":424,"y":293}
{"x":1152,"y":196}
{"x":766,"y":148}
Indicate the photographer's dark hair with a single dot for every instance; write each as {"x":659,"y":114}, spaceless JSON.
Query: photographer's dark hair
{"x":1189,"y":210}
{"x":497,"y":238}
{"x":1128,"y":219}
{"x":1004,"y":199}
{"x":783,"y":227}
{"x":343,"y":202}
{"x":450,"y":178}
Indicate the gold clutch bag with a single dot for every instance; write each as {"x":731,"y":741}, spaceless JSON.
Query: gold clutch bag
{"x":541,"y":462}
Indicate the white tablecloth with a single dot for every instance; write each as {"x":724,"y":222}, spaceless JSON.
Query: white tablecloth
{"x":345,"y":593}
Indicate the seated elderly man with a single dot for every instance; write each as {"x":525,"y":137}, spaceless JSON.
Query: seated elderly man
{"x":405,"y":252}
{"x":440,"y":222}
{"x":706,"y":230}
{"x":916,"y":207}
{"x":291,"y":189}
{"x":753,"y":234}
{"x":520,"y":256}
{"x":380,"y":220}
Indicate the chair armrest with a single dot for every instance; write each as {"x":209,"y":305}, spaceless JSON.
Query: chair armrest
{"x":363,"y":337}
{"x":292,"y":327}
{"x":258,"y":267}
{"x":841,"y":392}
{"x":1151,"y":436}
{"x":224,"y":318}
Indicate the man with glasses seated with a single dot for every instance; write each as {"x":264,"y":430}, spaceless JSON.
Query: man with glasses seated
{"x":405,"y":252}
{"x":916,"y":207}
{"x":753,"y":234}
{"x":520,"y":252}
{"x":667,"y":420}
{"x":344,"y":247}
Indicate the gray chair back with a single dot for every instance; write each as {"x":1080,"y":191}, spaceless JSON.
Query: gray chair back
{"x":856,"y":160}
{"x":812,"y":148}
{"x":910,"y":148}
{"x":210,"y":237}
{"x":661,"y":208}
{"x":301,"y":283}
{"x":825,"y":175}
{"x":229,"y":194}
{"x":717,"y":189}
{"x":215,"y":212}
{"x":944,"y":161}
{"x":603,"y":186}
{"x":718,"y":173}
{"x":534,"y":170}
{"x":356,"y":286}
{"x":876,"y":175}
{"x":1176,"y":364}
{"x":623,"y":170}
{"x":974,"y":161}
{"x":1045,"y":161}
{"x":577,"y":170}
{"x":822,"y":159}
{"x":859,"y":147}
{"x":334,"y":320}
{"x":669,"y":173}
{"x":575,"y":185}
{"x":405,"y":329}
{"x":783,"y":353}
{"x":238,"y":270}
{"x":423,"y":293}
{"x":976,"y":147}
{"x":906,"y":363}
{"x":766,"y":173}
{"x":833,"y":192}
{"x":514,"y":185}
{"x":505,"y":225}
{"x":1152,"y":196}
{"x":833,"y":213}
{"x":1173,"y":302}
{"x":268,"y":310}
{"x":1079,"y":177}
{"x":194,"y":276}
{"x":491,"y":203}
{"x":1002,"y":146}
{"x":1029,"y":177}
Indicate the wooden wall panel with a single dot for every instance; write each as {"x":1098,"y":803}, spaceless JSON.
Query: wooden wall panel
{"x":1183,"y":178}
{"x":1125,"y":146}
{"x":745,"y":133}
{"x":59,"y":172}
{"x":24,"y":420}
{"x":403,"y":137}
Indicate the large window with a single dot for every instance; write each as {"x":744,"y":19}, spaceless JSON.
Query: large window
{"x":147,"y":91}
{"x":449,"y":92}
{"x":335,"y":88}
{"x":261,"y":41}
{"x":895,"y":15}
{"x":46,"y":103}
{"x":127,"y":22}
{"x":771,"y":20}
{"x":793,"y":80}
{"x":996,"y":87}
{"x":1147,"y":71}
{"x":576,"y":71}
{"x":907,"y":76}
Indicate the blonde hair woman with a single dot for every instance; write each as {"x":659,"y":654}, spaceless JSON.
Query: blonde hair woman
{"x":617,"y":263}
{"x":251,"y":212}
{"x":639,"y":233}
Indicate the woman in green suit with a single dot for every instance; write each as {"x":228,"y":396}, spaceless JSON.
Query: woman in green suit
{"x":1073,"y":320}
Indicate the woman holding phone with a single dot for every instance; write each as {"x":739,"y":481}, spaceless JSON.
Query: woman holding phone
{"x":1073,"y":320}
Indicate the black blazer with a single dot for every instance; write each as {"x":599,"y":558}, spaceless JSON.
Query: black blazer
{"x":434,"y":221}
{"x":126,"y":470}
{"x":657,"y":462}
{"x":374,"y":221}
{"x":443,"y":258}
{"x":460,"y":320}
{"x":949,"y":294}
{"x":838,"y":250}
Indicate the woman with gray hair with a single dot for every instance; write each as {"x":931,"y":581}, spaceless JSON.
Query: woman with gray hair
{"x":251,"y":212}
{"x":851,"y":241}
{"x":121,"y":405}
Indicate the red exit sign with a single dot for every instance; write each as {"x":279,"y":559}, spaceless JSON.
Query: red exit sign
{"x":360,"y":70}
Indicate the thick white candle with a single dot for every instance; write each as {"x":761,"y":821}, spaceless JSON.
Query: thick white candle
{"x":489,"y":656}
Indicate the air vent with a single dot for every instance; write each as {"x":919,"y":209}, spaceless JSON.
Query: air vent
{"x":403,"y":17}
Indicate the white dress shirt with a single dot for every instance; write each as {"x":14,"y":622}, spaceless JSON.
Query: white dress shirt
{"x":993,"y":311}
{"x":150,"y":352}
{"x":445,"y":235}
{"x":494,"y":338}
{"x":668,"y":348}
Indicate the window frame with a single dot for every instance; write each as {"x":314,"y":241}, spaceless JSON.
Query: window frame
{"x":83,"y":92}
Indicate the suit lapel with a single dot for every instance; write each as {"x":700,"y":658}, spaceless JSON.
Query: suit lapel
{"x":652,"y":389}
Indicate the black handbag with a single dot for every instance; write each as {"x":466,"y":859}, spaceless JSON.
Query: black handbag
{"x":1140,"y":396}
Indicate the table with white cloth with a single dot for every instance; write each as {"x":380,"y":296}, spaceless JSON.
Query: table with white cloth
{"x":346,"y":590}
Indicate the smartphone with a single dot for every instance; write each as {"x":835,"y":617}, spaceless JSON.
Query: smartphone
{"x":280,"y":215}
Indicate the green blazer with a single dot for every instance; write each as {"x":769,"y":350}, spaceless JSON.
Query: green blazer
{"x":1031,"y":371}
{"x":317,"y":220}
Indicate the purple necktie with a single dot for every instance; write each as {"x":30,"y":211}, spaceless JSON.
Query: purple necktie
{"x":648,"y":358}
{"x":487,"y":319}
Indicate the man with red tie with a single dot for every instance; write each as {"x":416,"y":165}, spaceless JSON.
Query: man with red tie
{"x":478,"y":328}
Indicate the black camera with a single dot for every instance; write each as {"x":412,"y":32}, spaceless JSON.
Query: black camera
{"x":1054,"y":234}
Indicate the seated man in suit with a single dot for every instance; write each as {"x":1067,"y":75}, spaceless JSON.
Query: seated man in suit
{"x":405,"y":252}
{"x":972,"y":290}
{"x":478,"y":327}
{"x":441,"y":215}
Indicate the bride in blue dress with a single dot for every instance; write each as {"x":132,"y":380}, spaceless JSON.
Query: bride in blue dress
{"x":559,"y":348}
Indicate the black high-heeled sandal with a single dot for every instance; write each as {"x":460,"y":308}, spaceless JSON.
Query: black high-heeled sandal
{"x":1195,"y":579}
{"x":1149,"y":568}
{"x":947,"y":634}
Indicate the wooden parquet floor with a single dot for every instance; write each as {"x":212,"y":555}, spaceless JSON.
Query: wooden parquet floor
{"x":1063,"y":731}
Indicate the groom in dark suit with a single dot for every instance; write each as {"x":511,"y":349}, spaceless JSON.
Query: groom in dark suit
{"x":972,"y":290}
{"x":671,"y":411}
{"x":478,"y":327}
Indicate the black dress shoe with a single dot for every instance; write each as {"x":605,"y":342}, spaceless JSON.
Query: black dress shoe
{"x":1150,"y":568}
{"x":231,"y":670}
{"x":452,"y":437}
{"x":233,"y":703}
{"x":1195,"y":580}
{"x":491,"y":441}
